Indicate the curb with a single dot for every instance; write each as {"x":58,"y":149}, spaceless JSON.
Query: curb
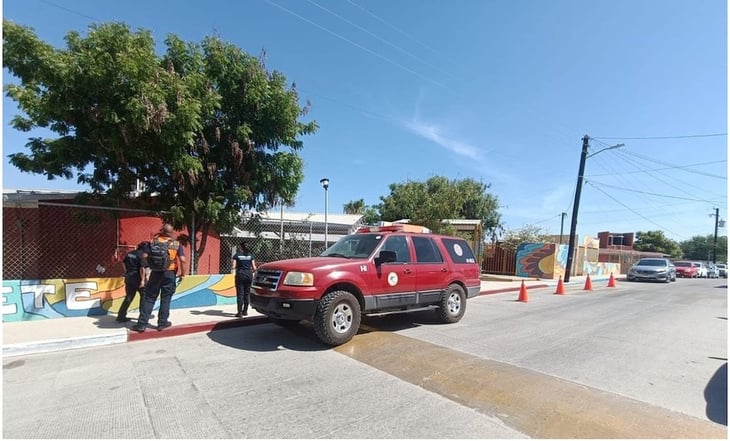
{"x":192,"y":328}
{"x":517,"y":288}
{"x":63,"y":344}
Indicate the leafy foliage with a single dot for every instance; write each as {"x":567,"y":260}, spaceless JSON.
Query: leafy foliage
{"x":370,"y":214}
{"x":526,"y":234}
{"x":655,"y":241}
{"x":427,"y":203}
{"x":702,"y":247}
{"x":202,"y":126}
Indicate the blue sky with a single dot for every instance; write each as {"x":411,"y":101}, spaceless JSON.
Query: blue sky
{"x":501,"y":91}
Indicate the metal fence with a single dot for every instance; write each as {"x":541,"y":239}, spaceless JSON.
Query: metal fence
{"x":277,"y":240}
{"x":63,"y":240}
{"x":50,"y":240}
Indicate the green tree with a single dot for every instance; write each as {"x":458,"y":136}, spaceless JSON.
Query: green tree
{"x":202,"y":126}
{"x":354,"y":207}
{"x":656,"y":242}
{"x":702,"y":247}
{"x":427,"y":203}
{"x":526,"y":234}
{"x":370,"y":214}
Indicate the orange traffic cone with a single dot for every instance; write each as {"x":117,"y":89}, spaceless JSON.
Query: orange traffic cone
{"x":611,"y":282}
{"x":523,"y":293}
{"x":561,"y":287}
{"x":588,"y":286}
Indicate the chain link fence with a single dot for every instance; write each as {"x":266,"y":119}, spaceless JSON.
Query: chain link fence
{"x":276,"y":240}
{"x":50,"y":240}
{"x":63,"y":240}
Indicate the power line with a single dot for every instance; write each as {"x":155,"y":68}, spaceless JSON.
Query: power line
{"x":649,"y":193}
{"x":372,"y":34}
{"x":680,"y":167}
{"x":69,"y":10}
{"x":660,"y":137}
{"x":345,"y":39}
{"x":632,"y":210}
{"x":395,"y":28}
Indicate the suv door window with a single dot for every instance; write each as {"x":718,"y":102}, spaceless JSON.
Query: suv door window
{"x":426,"y":251}
{"x":400,"y":246}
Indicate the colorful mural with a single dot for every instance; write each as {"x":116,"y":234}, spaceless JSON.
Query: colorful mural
{"x":58,"y":298}
{"x":536,"y":260}
{"x":548,"y":261}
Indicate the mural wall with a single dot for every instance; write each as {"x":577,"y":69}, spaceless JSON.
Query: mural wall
{"x":59,"y":298}
{"x":548,"y":261}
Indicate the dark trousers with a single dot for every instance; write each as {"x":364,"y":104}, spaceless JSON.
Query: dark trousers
{"x":131,"y":286}
{"x":243,"y":287}
{"x":162,"y":284}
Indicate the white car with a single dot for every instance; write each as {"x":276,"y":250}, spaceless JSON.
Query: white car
{"x":721,"y":269}
{"x":701,"y":269}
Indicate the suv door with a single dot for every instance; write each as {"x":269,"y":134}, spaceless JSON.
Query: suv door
{"x":394,"y":283}
{"x":431,"y":270}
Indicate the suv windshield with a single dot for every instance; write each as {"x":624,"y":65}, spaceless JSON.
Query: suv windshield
{"x":652,"y":262}
{"x":682,"y":264}
{"x":357,"y":246}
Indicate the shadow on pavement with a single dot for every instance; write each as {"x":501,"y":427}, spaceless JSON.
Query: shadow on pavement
{"x":716,"y":396}
{"x":269,"y":337}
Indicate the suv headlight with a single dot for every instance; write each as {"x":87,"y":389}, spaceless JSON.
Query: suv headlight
{"x":299,"y":279}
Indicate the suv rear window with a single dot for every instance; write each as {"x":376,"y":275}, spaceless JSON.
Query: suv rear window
{"x":459,"y":251}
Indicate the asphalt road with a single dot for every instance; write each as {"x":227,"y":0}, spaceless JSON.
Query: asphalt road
{"x":642,"y":360}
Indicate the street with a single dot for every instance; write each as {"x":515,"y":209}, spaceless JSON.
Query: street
{"x":642,"y":360}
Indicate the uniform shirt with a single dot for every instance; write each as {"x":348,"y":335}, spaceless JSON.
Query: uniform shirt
{"x":133,"y":261}
{"x":244,"y":262}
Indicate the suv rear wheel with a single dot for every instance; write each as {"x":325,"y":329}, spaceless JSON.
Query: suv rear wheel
{"x":337,"y":318}
{"x":453,"y":304}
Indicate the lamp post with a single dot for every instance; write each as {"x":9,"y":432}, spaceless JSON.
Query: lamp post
{"x":574,"y":218}
{"x":326,"y":185}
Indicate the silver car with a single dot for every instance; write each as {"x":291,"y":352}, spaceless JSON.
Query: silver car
{"x":653,"y":268}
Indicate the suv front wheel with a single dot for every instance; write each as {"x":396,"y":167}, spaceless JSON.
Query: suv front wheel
{"x":453,"y":304}
{"x":337,"y":318}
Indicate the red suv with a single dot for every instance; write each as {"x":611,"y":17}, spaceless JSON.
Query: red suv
{"x":373,"y":271}
{"x":686,"y":269}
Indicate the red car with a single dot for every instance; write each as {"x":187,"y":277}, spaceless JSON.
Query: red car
{"x":686,"y":269}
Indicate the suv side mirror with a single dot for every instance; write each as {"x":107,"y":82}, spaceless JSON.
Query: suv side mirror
{"x":384,"y":257}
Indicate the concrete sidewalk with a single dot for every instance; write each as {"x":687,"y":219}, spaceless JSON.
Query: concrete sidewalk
{"x":38,"y":336}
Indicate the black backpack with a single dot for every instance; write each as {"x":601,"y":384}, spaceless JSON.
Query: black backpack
{"x":158,"y":259}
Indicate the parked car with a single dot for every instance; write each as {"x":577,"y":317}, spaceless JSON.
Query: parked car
{"x":686,"y":269}
{"x":656,"y":269}
{"x":373,"y":271}
{"x":701,"y":269}
{"x":721,"y":270}
{"x":712,"y":271}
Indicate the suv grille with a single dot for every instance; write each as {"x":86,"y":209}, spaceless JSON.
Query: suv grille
{"x":267,"y":279}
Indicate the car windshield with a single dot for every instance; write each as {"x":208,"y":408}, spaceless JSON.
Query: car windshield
{"x":652,"y":262}
{"x":354,"y":246}
{"x":683,"y":264}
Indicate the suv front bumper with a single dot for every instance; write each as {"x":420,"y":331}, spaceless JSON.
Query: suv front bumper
{"x":288,"y":309}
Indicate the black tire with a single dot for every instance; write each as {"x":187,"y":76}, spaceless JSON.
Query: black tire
{"x":337,"y":318}
{"x":284,"y":323}
{"x":453,"y":304}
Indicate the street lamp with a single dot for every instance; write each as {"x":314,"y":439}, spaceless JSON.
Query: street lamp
{"x":574,"y":219}
{"x":326,"y":185}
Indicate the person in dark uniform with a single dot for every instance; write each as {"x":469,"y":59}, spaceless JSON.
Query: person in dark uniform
{"x":135,"y":277}
{"x":162,"y":283}
{"x":245,"y":266}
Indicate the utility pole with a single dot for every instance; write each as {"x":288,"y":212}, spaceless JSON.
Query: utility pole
{"x":562,"y":221}
{"x":576,"y":202}
{"x":714,"y":244}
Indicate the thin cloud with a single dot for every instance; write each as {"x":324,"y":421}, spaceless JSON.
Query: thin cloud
{"x":432,"y":133}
